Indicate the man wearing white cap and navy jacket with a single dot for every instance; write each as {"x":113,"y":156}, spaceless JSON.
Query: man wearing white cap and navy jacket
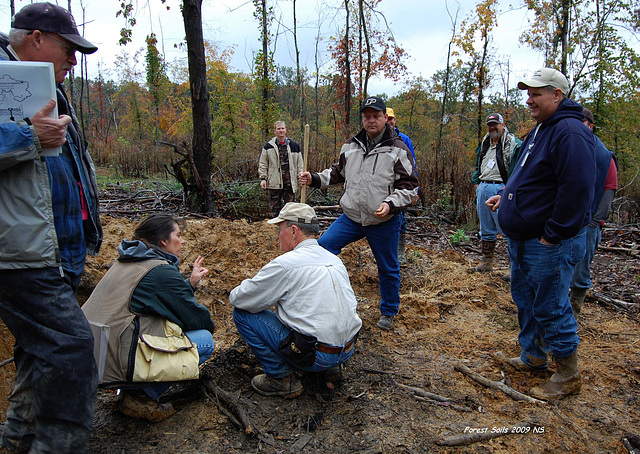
{"x":314,"y":306}
{"x":544,"y":210}
{"x":49,"y":221}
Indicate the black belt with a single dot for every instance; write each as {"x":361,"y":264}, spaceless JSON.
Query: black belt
{"x":333,"y":350}
{"x":491,"y":181}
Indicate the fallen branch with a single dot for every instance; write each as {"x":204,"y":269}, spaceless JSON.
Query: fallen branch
{"x":632,"y":251}
{"x":515,"y":395}
{"x":6,"y":361}
{"x":616,"y":304}
{"x":426,"y":396}
{"x":602,"y":298}
{"x":469,"y":438}
{"x":423,"y":393}
{"x":233,"y":402}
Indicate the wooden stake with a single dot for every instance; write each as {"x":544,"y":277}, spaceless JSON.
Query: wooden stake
{"x":303,"y":190}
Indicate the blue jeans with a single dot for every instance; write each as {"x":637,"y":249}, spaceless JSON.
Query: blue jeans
{"x":263,"y":331}
{"x":581,"y":275}
{"x":489,"y":227}
{"x":540,"y":277}
{"x":51,"y":407}
{"x":204,"y":341}
{"x":383,"y":240}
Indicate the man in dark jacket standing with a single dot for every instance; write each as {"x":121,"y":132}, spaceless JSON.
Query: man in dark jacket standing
{"x":48,"y":223}
{"x":544,"y":209}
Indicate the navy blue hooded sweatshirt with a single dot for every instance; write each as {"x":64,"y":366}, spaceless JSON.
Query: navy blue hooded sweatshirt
{"x":550,"y":192}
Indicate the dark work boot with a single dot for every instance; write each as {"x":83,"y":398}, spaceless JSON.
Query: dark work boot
{"x":565,"y":382}
{"x":287,"y":387}
{"x":486,"y":265}
{"x":577,"y":296}
{"x":385,"y":322}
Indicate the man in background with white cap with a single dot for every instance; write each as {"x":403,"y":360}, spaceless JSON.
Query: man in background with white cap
{"x":378,"y":173}
{"x":544,"y":210}
{"x":314,"y":324}
{"x":49,"y":221}
{"x":496,"y":156}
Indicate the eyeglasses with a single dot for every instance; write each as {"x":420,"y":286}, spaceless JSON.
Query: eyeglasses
{"x":71,"y":51}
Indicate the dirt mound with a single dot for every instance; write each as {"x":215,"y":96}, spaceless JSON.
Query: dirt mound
{"x":448,"y":316}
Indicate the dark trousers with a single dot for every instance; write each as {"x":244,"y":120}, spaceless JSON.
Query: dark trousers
{"x":51,"y":407}
{"x":279,"y":198}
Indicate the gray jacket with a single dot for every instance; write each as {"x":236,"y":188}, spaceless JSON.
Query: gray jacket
{"x":384,"y":174}
{"x":28,"y":236}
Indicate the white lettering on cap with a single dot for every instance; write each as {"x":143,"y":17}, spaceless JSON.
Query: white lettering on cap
{"x":370,"y":101}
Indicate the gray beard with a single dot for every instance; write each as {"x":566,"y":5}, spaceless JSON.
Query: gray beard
{"x":494,"y":135}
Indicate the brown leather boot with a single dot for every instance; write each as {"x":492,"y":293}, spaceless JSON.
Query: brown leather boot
{"x":486,"y":265}
{"x":577,"y":296}
{"x":565,"y":382}
{"x":287,"y":387}
{"x":140,"y":406}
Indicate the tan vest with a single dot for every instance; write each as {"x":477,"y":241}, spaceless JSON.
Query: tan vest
{"x":140,"y":348}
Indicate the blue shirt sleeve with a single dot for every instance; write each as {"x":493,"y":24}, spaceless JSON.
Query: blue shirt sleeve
{"x":14,"y":137}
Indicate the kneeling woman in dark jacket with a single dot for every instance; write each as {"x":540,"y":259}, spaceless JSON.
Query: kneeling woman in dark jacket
{"x":157,"y":331}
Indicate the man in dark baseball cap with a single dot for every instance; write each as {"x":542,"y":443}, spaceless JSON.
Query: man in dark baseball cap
{"x":51,"y":18}
{"x":377,"y":170}
{"x":373,"y":102}
{"x":49,"y":222}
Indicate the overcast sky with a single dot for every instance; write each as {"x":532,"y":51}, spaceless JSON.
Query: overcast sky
{"x":421,"y":27}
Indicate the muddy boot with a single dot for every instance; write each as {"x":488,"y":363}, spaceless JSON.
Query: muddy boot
{"x":537,"y":364}
{"x":565,"y":382}
{"x":137,"y":404}
{"x":287,"y":387}
{"x":486,"y":265}
{"x":402,"y":243}
{"x":577,"y":296}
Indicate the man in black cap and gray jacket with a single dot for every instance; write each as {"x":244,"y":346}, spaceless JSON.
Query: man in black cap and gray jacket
{"x":49,"y":221}
{"x":377,"y":170}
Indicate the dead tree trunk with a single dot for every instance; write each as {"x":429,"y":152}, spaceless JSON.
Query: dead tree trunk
{"x":200,"y":201}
